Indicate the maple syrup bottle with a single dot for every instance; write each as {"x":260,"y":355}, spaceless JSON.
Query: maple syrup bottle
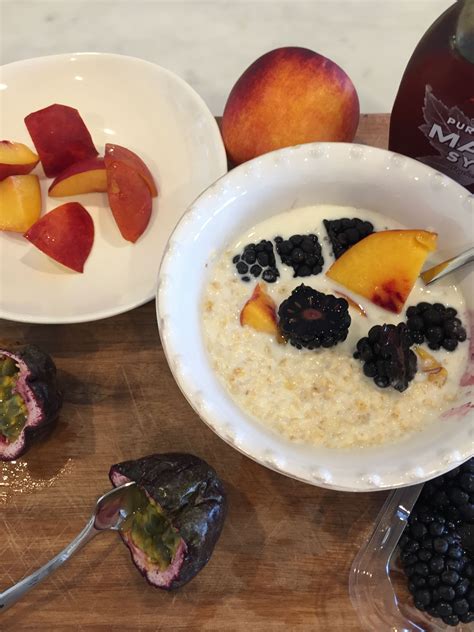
{"x":433,"y":115}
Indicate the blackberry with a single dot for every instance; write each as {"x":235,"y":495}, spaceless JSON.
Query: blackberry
{"x":308,"y":318}
{"x":302,"y":253}
{"x":447,"y":591}
{"x":255,"y":260}
{"x":387,"y":358}
{"x":436,"y":324}
{"x":344,"y":233}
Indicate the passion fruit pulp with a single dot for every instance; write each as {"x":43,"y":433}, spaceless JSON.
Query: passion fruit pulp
{"x":150,"y":530}
{"x":30,"y":399}
{"x":13,"y":411}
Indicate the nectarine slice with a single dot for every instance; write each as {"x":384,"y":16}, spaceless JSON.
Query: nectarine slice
{"x":85,"y":176}
{"x":16,"y":159}
{"x":117,"y":153}
{"x":20,"y":202}
{"x":65,"y":234}
{"x":437,"y":374}
{"x":384,"y":266}
{"x":259,"y":312}
{"x":129,"y":199}
{"x":60,"y":136}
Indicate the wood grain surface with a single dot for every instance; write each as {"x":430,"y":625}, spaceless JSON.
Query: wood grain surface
{"x":283,"y":560}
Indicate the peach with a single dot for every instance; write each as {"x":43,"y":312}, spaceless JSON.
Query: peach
{"x":384,"y":266}
{"x":20,"y":202}
{"x":85,"y":176}
{"x":65,"y":234}
{"x":286,"y":97}
{"x":129,"y":198}
{"x":117,"y":153}
{"x":437,"y":374}
{"x":16,"y":159}
{"x":259,"y":312}
{"x":60,"y":137}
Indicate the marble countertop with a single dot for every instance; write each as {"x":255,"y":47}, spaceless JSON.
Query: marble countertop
{"x":210,"y":42}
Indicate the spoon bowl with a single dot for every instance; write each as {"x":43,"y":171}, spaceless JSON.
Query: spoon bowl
{"x":113,"y":508}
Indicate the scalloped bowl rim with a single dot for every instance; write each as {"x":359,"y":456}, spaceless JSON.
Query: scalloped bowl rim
{"x":177,"y":311}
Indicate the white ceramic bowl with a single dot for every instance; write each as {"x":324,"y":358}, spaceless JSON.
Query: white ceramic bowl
{"x":344,"y":174}
{"x":122,"y":100}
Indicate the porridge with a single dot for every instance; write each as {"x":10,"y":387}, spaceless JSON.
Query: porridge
{"x":315,"y":391}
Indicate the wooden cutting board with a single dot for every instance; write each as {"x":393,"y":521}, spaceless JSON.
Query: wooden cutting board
{"x":283,"y":560}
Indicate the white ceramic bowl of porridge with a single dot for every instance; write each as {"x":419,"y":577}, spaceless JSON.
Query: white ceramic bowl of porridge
{"x":313,"y":414}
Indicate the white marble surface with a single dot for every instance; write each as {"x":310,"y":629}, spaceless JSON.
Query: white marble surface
{"x":210,"y":42}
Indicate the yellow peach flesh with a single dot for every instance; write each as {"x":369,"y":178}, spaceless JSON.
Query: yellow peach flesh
{"x":384,"y":266}
{"x":20,"y":202}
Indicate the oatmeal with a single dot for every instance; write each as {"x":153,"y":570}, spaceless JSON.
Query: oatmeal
{"x":319,"y":396}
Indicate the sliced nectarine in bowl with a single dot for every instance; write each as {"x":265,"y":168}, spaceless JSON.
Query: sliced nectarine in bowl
{"x":86,"y":176}
{"x":65,"y":234}
{"x":16,"y":159}
{"x":259,"y":312}
{"x":60,"y":136}
{"x":20,"y":202}
{"x":129,"y":198}
{"x":117,"y":153}
{"x":384,"y":266}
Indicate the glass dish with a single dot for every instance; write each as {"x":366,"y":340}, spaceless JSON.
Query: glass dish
{"x":377,"y":582}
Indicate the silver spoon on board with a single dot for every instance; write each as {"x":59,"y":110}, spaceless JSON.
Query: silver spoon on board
{"x":440,"y":270}
{"x":110,"y":512}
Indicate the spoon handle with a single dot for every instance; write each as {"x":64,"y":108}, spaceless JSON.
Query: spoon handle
{"x":15,"y":592}
{"x":440,"y":270}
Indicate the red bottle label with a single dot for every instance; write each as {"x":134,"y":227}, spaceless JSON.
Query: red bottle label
{"x":451,"y":133}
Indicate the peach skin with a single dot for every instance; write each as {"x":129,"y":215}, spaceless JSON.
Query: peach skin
{"x":117,"y":153}
{"x":60,"y":136}
{"x":130,"y":200}
{"x":65,"y":234}
{"x":286,"y":97}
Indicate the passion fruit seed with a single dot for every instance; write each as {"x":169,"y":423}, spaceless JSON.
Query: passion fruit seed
{"x":13,"y":413}
{"x":8,"y":367}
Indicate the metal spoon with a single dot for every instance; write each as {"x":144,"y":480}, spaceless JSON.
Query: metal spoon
{"x":446,"y":267}
{"x":110,"y":512}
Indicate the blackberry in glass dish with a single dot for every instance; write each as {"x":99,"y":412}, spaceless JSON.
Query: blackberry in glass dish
{"x":440,"y":536}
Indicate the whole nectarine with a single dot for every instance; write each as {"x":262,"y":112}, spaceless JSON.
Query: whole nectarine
{"x":286,"y":97}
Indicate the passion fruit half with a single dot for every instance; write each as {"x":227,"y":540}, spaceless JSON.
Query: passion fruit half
{"x":177,"y":515}
{"x":29,"y":399}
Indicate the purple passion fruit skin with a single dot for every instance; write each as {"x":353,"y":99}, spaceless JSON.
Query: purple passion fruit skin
{"x":178,"y":514}
{"x":29,"y":399}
